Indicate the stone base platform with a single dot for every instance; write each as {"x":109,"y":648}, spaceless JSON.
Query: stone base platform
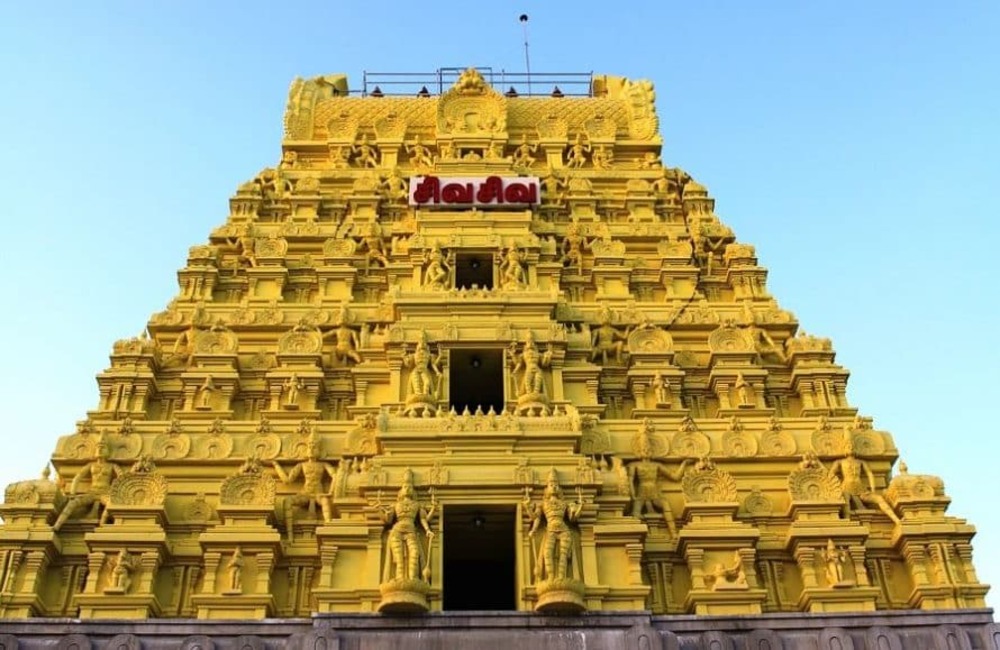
{"x":944,"y":630}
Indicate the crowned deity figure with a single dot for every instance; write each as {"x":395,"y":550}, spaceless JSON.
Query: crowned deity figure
{"x":312,"y":471}
{"x":530,"y":387}
{"x":423,"y":387}
{"x":557,"y":567}
{"x":102,"y":472}
{"x":645,"y":477}
{"x":346,"y":348}
{"x":858,"y":493}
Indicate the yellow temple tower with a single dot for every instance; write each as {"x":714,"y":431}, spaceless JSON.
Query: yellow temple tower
{"x":476,"y":363}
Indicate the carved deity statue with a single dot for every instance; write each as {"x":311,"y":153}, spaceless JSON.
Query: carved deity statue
{"x":183,"y":351}
{"x":644,"y":480}
{"x":121,"y":574}
{"x":858,"y":493}
{"x":423,"y":387}
{"x":365,"y":155}
{"x":346,"y":348}
{"x":835,"y":558}
{"x":235,"y":567}
{"x":603,"y":157}
{"x":395,"y":188}
{"x":420,"y":156}
{"x":573,"y":245}
{"x":554,"y":556}
{"x":744,"y":392}
{"x":101,"y":472}
{"x":530,"y":361}
{"x":661,"y":389}
{"x":205,"y":393}
{"x":512,"y":273}
{"x":291,"y":388}
{"x":606,"y":338}
{"x":524,"y":153}
{"x":374,"y":247}
{"x":576,"y":156}
{"x":405,"y":518}
{"x":730,"y":577}
{"x":245,"y":247}
{"x":312,"y":471}
{"x":437,"y":275}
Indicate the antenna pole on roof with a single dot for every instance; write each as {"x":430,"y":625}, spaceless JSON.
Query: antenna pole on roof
{"x":527,"y":62}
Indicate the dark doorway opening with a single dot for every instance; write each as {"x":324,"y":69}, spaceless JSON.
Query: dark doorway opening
{"x":479,"y":571}
{"x":473,"y":270}
{"x":476,"y":380}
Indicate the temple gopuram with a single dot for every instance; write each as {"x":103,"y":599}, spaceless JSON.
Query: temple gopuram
{"x":476,"y":367}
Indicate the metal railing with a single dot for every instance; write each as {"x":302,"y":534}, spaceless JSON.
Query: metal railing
{"x":519,"y":84}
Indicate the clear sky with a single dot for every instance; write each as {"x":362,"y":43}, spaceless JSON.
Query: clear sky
{"x":855,"y":143}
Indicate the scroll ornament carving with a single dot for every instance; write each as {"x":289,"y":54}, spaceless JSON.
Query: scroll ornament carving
{"x":34,"y":492}
{"x":271,"y":246}
{"x":643,"y":123}
{"x":219,"y":339}
{"x":362,"y":440}
{"x":264,"y":444}
{"x":905,"y":486}
{"x":706,"y":483}
{"x":471,"y":106}
{"x":608,"y":248}
{"x":649,"y":339}
{"x":218,"y":444}
{"x":810,"y":481}
{"x":136,"y":345}
{"x":140,"y":485}
{"x":339,"y":247}
{"x":729,"y":338}
{"x":757,"y":504}
{"x":739,"y":443}
{"x":691,"y":442}
{"x":301,"y":339}
{"x":173,"y":444}
{"x":807,"y":343}
{"x":248,"y":487}
{"x":343,"y":126}
{"x":552,"y":127}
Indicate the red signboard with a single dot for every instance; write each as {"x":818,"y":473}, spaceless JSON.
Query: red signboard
{"x":515,"y":191}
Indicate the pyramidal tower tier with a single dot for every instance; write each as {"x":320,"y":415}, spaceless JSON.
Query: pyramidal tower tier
{"x":476,"y":350}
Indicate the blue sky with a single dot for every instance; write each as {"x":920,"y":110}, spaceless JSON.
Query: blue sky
{"x":854,"y":143}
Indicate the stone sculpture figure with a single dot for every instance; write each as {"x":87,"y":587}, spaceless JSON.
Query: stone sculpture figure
{"x":395,"y":187}
{"x":101,"y":472}
{"x":365,"y":155}
{"x":346,"y":348}
{"x":555,"y":554}
{"x":423,"y":387}
{"x":858,"y":493}
{"x":205,"y":393}
{"x":437,"y":275}
{"x":744,"y":392}
{"x":420,"y":156}
{"x":406,"y":517}
{"x":576,"y":157}
{"x":524,"y":153}
{"x":573,"y":245}
{"x":530,"y":389}
{"x":512,"y":274}
{"x":291,"y":387}
{"x":730,"y":577}
{"x":606,"y":338}
{"x":374,"y":247}
{"x":661,"y":389}
{"x":235,"y":567}
{"x":121,"y":574}
{"x":312,"y":471}
{"x":644,"y":480}
{"x":835,"y":558}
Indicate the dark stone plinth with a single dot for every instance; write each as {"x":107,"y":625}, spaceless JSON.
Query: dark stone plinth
{"x":904,"y":630}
